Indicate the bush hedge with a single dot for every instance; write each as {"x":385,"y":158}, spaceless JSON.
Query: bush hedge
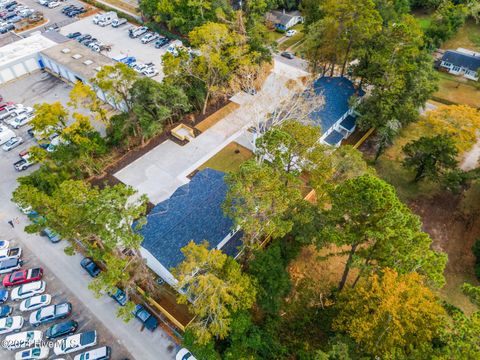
{"x":476,"y":252}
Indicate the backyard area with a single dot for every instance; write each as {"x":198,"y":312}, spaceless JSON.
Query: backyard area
{"x":468,"y":37}
{"x":449,"y":218}
{"x":229,"y":159}
{"x":457,"y":90}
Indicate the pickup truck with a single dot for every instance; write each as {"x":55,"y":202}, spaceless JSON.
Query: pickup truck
{"x":24,"y":163}
{"x":22,"y":277}
{"x":15,"y":252}
{"x":50,"y":313}
{"x":145,"y":317}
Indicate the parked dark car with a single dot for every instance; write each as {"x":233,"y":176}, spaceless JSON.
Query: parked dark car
{"x":84,"y":37}
{"x":142,"y":314}
{"x":3,"y":295}
{"x":287,"y":55}
{"x":119,"y":296}
{"x":90,"y":267}
{"x":61,"y":329}
{"x":161,"y":42}
{"x":74,"y":35}
{"x":5,"y":311}
{"x":51,"y":235}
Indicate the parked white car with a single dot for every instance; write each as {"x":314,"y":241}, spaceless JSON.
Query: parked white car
{"x":28,"y":290}
{"x":95,"y":354}
{"x":22,"y":340}
{"x":150,"y":71}
{"x":150,"y":37}
{"x":75,"y":342}
{"x":290,"y":33}
{"x":35,"y":353}
{"x":20,"y":120}
{"x":184,"y":354}
{"x":11,"y":324}
{"x":53,"y":4}
{"x":35,"y":302}
{"x":12,"y":143}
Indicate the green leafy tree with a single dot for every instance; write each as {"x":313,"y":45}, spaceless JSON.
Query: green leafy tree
{"x":83,"y":95}
{"x":345,"y":26}
{"x":448,"y":18}
{"x":215,"y":288}
{"x":259,"y":200}
{"x":380,"y":231}
{"x":460,"y":338}
{"x":430,"y":157}
{"x":100,"y":219}
{"x":154,"y":104}
{"x":391,"y":316}
{"x":115,"y":81}
{"x":220,"y":51}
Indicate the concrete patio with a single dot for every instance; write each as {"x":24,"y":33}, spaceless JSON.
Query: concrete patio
{"x":162,"y":170}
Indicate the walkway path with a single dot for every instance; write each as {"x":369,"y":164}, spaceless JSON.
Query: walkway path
{"x":161,"y":171}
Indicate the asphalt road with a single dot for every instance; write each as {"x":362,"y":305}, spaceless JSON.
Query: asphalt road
{"x":295,"y":62}
{"x":64,"y":271}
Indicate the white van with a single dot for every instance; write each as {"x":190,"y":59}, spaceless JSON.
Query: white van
{"x":5,"y":134}
{"x":106,"y":19}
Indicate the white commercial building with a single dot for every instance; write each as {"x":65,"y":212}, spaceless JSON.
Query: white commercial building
{"x":21,"y":57}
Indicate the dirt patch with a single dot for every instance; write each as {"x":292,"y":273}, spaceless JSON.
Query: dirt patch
{"x":322,"y":267}
{"x":454,"y":225}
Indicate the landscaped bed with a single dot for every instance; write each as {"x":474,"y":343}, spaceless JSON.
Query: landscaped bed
{"x":229,"y":159}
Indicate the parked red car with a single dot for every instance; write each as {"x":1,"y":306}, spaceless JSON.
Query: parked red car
{"x":22,"y":277}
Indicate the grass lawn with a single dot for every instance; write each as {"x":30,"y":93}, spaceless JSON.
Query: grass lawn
{"x":457,"y":90}
{"x":294,"y":40}
{"x":228,"y":159}
{"x":468,"y":36}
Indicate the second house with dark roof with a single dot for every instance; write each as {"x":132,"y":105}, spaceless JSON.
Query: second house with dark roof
{"x":462,"y":62}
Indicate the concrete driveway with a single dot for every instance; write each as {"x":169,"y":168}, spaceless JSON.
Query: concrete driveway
{"x":162,"y":170}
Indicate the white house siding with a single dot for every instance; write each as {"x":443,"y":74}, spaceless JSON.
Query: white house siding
{"x":157,"y":267}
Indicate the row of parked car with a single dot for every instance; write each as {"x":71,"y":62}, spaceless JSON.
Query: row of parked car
{"x":12,"y":12}
{"x":73,"y":10}
{"x":89,"y":41}
{"x":49,"y":3}
{"x":27,"y":287}
{"x":140,"y":312}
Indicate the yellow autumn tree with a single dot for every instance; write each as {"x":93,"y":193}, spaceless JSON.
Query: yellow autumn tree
{"x":214,"y":287}
{"x":462,"y":122}
{"x":390,"y":316}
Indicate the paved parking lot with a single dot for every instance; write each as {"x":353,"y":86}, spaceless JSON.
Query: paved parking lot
{"x":86,"y":320}
{"x":66,"y":280}
{"x":54,"y":16}
{"x":41,"y":87}
{"x":121,"y":44}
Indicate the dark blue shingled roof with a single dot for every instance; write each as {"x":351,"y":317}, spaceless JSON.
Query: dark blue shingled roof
{"x":193,"y":212}
{"x":333,"y":138}
{"x":336,"y":92}
{"x":349,"y":122}
{"x":464,"y":60}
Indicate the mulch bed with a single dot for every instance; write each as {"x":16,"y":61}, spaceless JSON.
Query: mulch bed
{"x":130,"y":155}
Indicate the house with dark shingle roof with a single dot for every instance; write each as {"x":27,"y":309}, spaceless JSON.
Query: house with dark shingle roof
{"x":335,"y":117}
{"x":284,"y":20}
{"x":193,"y":212}
{"x":465,"y":63}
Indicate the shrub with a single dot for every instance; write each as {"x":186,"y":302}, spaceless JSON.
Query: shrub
{"x":476,"y":252}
